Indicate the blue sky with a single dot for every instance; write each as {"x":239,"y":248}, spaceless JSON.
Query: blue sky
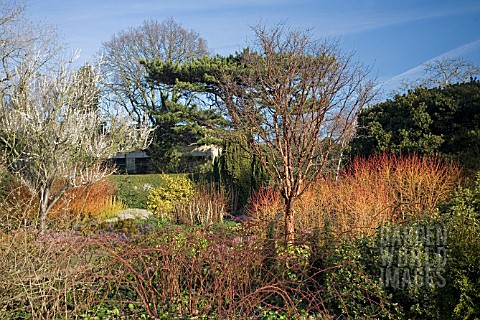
{"x":394,"y":37}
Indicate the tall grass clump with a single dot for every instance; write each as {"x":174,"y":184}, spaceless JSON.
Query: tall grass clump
{"x":208,"y":206}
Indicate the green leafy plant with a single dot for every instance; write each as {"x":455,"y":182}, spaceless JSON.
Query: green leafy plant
{"x":134,"y":189}
{"x":352,"y":286}
{"x":442,"y":121}
{"x":175,"y":190}
{"x":463,"y":267}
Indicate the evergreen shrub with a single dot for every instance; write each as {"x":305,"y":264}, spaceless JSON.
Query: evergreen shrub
{"x":133,"y":190}
{"x":175,"y":190}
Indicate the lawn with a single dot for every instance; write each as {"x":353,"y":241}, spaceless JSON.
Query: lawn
{"x":134,"y":189}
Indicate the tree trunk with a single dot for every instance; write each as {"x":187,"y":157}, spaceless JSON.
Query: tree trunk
{"x":43,"y":207}
{"x":289,"y":221}
{"x":46,"y":204}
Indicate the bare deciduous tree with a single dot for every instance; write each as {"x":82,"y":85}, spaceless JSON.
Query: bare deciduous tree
{"x":445,"y":71}
{"x":441,"y":73}
{"x":297,"y":102}
{"x":54,"y":138}
{"x":21,"y":38}
{"x":126,"y":78}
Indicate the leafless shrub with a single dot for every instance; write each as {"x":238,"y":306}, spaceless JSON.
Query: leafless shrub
{"x":45,"y":277}
{"x":382,"y":188}
{"x":179,"y":274}
{"x":168,"y":273}
{"x":56,"y":135}
{"x":18,"y":206}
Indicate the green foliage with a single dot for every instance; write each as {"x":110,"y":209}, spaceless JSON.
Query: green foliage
{"x":292,"y":261}
{"x":425,"y":269}
{"x":133,"y":190}
{"x":183,"y":119}
{"x":352,"y":283}
{"x":177,"y":127}
{"x":426,"y":121}
{"x":412,"y":260}
{"x":268,"y":314}
{"x":240,"y":172}
{"x":463,"y":267}
{"x":401,"y":125}
{"x":175,"y":190}
{"x":198,"y":75}
{"x":453,"y":261}
{"x":101,"y":312}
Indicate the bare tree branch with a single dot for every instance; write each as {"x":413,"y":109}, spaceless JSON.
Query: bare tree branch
{"x":21,"y":38}
{"x":54,"y":133}
{"x":297,"y":100}
{"x":125,"y":76}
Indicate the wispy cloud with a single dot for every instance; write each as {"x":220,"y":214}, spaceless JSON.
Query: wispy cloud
{"x":368,"y":19}
{"x":460,"y":51}
{"x":454,"y":53}
{"x":330,"y":19}
{"x":375,"y":26}
{"x":394,"y":83}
